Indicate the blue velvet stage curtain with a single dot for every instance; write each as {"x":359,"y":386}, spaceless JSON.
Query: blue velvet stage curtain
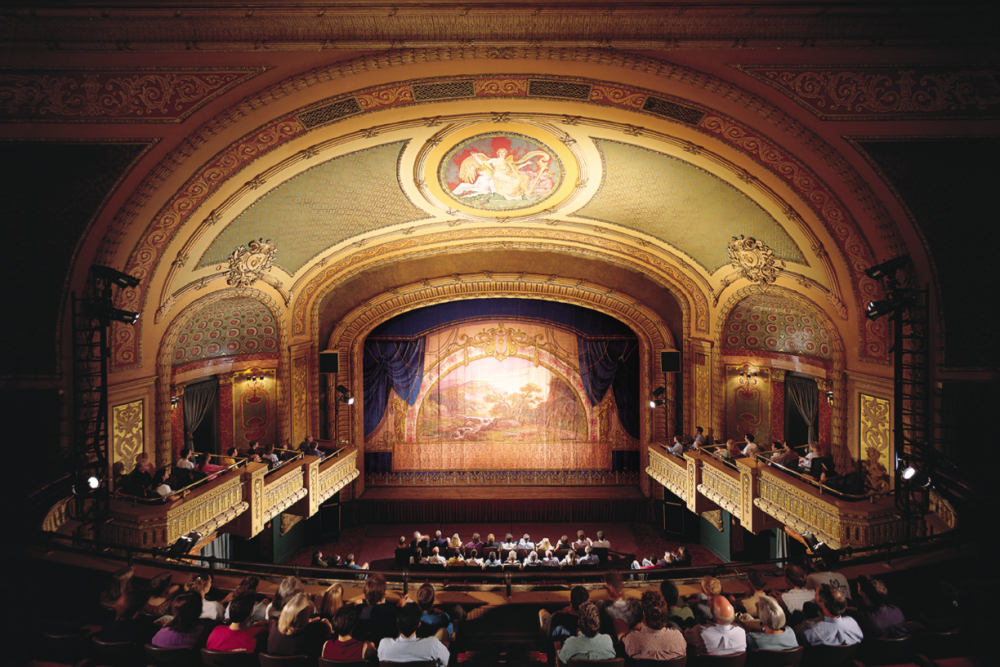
{"x":391,"y":365}
{"x":614,"y":364}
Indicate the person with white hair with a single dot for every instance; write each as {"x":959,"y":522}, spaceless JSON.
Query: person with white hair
{"x":775,"y":635}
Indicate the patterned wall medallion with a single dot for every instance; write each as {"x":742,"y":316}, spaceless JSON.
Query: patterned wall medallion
{"x":227,"y":328}
{"x":510,"y":169}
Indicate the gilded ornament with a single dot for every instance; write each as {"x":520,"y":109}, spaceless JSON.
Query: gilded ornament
{"x":755,"y":261}
{"x":249,"y":263}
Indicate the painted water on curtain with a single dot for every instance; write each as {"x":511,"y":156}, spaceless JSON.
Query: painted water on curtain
{"x":510,"y":400}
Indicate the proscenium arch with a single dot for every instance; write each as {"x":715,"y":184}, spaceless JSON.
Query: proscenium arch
{"x":164,"y":452}
{"x":838,"y":435}
{"x":349,"y":335}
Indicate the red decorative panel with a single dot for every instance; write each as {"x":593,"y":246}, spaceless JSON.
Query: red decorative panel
{"x":225,"y":414}
{"x":147,"y":253}
{"x":748,"y":407}
{"x":777,"y":411}
{"x":177,"y":429}
{"x":858,"y":254}
{"x":617,"y":96}
{"x":886,"y":92}
{"x":385,"y":97}
{"x":497,"y":87}
{"x":253,"y":410}
{"x":116,"y":95}
{"x":824,"y":432}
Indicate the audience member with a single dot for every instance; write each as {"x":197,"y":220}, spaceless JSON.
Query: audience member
{"x":582,"y":542}
{"x":797,"y":596}
{"x":699,"y":436}
{"x":570,"y":559}
{"x":230,"y":458}
{"x":161,"y":594}
{"x":439,"y":542}
{"x":512,"y":562}
{"x":307,"y":444}
{"x":474,"y":558}
{"x":757,"y":579}
{"x":121,"y":582}
{"x":588,"y":644}
{"x":751,"y":447}
{"x":129,"y":625}
{"x":210,"y":609}
{"x":543,"y":546}
{"x":456,"y":542}
{"x":408,"y":647}
{"x":563,"y":543}
{"x":681,"y":614}
{"x":832,"y":629}
{"x":185,"y":461}
{"x":601,"y":542}
{"x":677,"y":448}
{"x":433,"y":621}
{"x":531,"y":561}
{"x":875,"y":616}
{"x":474,"y":544}
{"x":420,"y":541}
{"x":287,"y":589}
{"x":204,"y":465}
{"x":526,"y":543}
{"x":352,"y":564}
{"x":436,"y":558}
{"x":627,"y":610}
{"x":563,"y":623}
{"x":343,"y":646}
{"x":376,"y":618}
{"x":824,"y":574}
{"x":682,"y":557}
{"x":492,"y":562}
{"x":805,"y":463}
{"x":242,"y":634}
{"x":185,"y":629}
{"x":296,"y":632}
{"x":508,"y":543}
{"x":719,"y":636}
{"x":248,"y":586}
{"x":418,"y":558}
{"x":319,"y":561}
{"x":730,"y":452}
{"x":774,"y":635}
{"x":491,"y":542}
{"x":269,"y":456}
{"x":550,"y":560}
{"x":786,"y":456}
{"x":702,"y":608}
{"x":589,"y":558}
{"x":655,"y":638}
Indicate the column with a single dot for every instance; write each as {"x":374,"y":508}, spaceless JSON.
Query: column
{"x":777,"y":404}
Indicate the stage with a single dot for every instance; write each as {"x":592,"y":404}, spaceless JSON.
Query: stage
{"x":470,"y":504}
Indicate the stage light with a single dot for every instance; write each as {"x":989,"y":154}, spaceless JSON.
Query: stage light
{"x":656,"y":400}
{"x":887,"y":269}
{"x":908,"y":473}
{"x":877,"y":309}
{"x":105,"y":312}
{"x":113,"y":276}
{"x":93,"y":482}
{"x":345,"y":395}
{"x":183,"y":545}
{"x":655,"y":403}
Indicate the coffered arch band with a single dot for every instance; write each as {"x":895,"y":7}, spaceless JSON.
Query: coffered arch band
{"x":840,"y":451}
{"x":349,"y":335}
{"x":164,"y":453}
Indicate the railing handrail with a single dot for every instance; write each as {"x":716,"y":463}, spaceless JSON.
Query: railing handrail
{"x":184,"y":490}
{"x":872,"y":496}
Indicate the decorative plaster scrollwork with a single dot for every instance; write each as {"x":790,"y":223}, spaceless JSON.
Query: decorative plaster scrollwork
{"x":755,"y":260}
{"x":249,"y":263}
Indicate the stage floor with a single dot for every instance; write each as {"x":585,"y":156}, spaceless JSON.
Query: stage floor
{"x":404,"y":493}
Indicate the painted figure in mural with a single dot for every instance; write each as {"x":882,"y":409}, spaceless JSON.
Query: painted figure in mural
{"x":503,"y":175}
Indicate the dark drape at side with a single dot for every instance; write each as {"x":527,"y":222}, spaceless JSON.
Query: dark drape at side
{"x":614,"y":364}
{"x":198,"y":399}
{"x":391,"y":365}
{"x":805,"y":396}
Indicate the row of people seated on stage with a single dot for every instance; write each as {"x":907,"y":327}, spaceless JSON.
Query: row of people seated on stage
{"x":663,"y":626}
{"x":427,"y":542}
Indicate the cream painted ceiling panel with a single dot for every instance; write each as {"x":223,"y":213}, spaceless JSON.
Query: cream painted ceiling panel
{"x":343,"y":197}
{"x":681,"y":205}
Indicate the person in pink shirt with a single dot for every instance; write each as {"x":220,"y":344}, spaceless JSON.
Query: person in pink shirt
{"x":241,"y":634}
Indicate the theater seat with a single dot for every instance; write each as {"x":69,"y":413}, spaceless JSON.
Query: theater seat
{"x":326,"y":662}
{"x":267,"y":660}
{"x":422,"y":663}
{"x":830,"y":656}
{"x":211,"y":658}
{"x":676,"y":662}
{"x":790,"y":657}
{"x":613,"y":662}
{"x":885,"y":651}
{"x":173,"y":657}
{"x":731,"y":660}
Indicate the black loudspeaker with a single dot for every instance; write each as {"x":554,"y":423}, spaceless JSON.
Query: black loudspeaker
{"x":670,"y":361}
{"x":329,"y":362}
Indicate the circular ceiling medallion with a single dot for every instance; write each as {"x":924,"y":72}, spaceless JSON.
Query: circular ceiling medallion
{"x":510,"y":169}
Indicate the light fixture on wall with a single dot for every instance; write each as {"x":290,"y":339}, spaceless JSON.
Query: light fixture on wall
{"x":107,"y":274}
{"x":748,"y":376}
{"x":174,"y":402}
{"x":255,"y":379}
{"x":829,"y":397}
{"x":657,"y":399}
{"x":887,"y":269}
{"x":345,"y":395}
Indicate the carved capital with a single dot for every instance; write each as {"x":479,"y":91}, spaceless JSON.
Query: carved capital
{"x":778,"y":375}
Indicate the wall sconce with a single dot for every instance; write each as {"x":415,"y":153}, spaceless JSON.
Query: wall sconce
{"x":345,"y":395}
{"x":174,"y":402}
{"x":255,"y":379}
{"x":829,"y":397}
{"x":657,"y":400}
{"x":748,"y":377}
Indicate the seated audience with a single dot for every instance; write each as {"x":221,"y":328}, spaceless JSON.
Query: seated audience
{"x":407,"y":647}
{"x":491,"y":541}
{"x":161,"y":486}
{"x":207,"y":468}
{"x":797,"y":596}
{"x":550,"y":560}
{"x":532,"y":561}
{"x":269,"y":455}
{"x":601,"y":542}
{"x":474,"y":559}
{"x":682,"y":557}
{"x":757,"y":579}
{"x":786,"y":456}
{"x":319,"y":561}
{"x":512,"y":562}
{"x":439,"y":542}
{"x":210,"y":609}
{"x":570,"y":559}
{"x":581,"y":542}
{"x":121,"y":582}
{"x":588,"y":558}
{"x":679,"y":613}
{"x":185,"y":461}
{"x":418,"y":558}
{"x":875,"y":616}
{"x":824,"y":574}
{"x":343,"y":646}
{"x":588,"y":644}
{"x":242,"y":634}
{"x":433,"y":621}
{"x":543,"y":546}
{"x":655,"y":638}
{"x":563,"y":623}
{"x":287,"y":589}
{"x":161,"y":593}
{"x":248,"y":586}
{"x":376,"y":617}
{"x":420,"y":541}
{"x":526,"y":543}
{"x":774,"y":635}
{"x":296,"y":632}
{"x":352,"y":564}
{"x":563,"y":543}
{"x":718,"y":636}
{"x":457,"y":559}
{"x":307,"y":444}
{"x":129,"y":625}
{"x":436,"y":558}
{"x":832,"y":629}
{"x":815,"y":451}
{"x":456,"y":542}
{"x":185,"y":629}
{"x":751,"y":447}
{"x":618,"y":607}
{"x":699,"y":436}
{"x":677,"y":448}
{"x":492,"y":562}
{"x":702,"y":607}
{"x":230,"y":458}
{"x":730,"y":452}
{"x":474,"y":544}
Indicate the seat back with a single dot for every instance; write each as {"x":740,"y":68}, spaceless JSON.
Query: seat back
{"x":452,"y":552}
{"x":485,"y":553}
{"x":402,"y":558}
{"x":830,"y":656}
{"x":676,"y":662}
{"x":790,"y":657}
{"x":421,"y":663}
{"x":211,"y":658}
{"x":887,"y":651}
{"x":613,"y":662}
{"x":937,"y":644}
{"x":731,"y":660}
{"x":173,"y":657}
{"x":267,"y":660}
{"x":602,"y":553}
{"x":61,"y":646}
{"x":326,"y":662}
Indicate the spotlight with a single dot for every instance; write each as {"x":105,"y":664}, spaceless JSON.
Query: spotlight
{"x":113,"y":276}
{"x":829,"y":397}
{"x":107,"y":313}
{"x":908,"y":473}
{"x":174,"y":402}
{"x":93,"y":482}
{"x":887,"y":269}
{"x":345,"y":395}
{"x":183,"y":545}
{"x":656,"y":401}
{"x":877,"y":309}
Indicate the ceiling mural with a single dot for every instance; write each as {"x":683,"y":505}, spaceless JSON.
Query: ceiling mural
{"x":682,"y":205}
{"x":225,"y":329}
{"x":331,"y":202}
{"x":775,"y":324}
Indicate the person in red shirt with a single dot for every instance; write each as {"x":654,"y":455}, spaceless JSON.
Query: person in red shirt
{"x":345,"y":647}
{"x":239,"y":635}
